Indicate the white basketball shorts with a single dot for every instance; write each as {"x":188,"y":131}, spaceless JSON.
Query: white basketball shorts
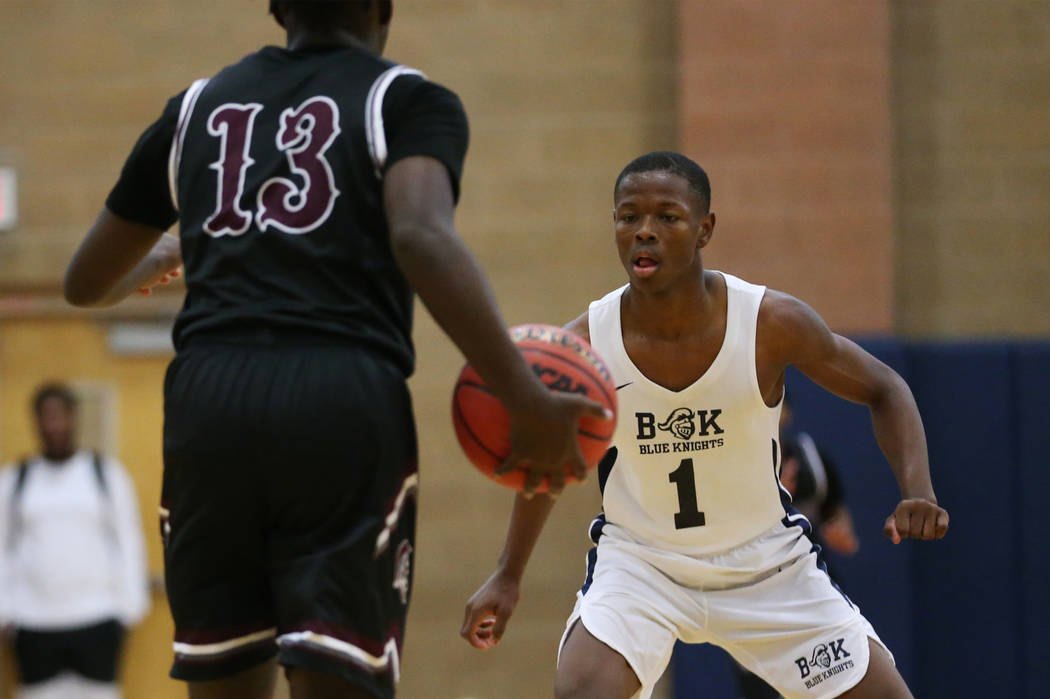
{"x":766,"y":602}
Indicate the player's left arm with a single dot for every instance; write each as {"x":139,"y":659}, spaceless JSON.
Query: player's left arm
{"x":117,"y":258}
{"x":792,"y":333}
{"x":126,"y":249}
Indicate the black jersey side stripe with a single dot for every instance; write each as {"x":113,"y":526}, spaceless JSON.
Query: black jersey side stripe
{"x":189,"y":101}
{"x":374,"y":131}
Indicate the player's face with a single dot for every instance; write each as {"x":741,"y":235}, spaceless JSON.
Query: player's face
{"x":660,"y":227}
{"x":56,"y":423}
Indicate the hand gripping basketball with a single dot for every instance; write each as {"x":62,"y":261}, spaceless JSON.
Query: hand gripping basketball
{"x":565,"y":363}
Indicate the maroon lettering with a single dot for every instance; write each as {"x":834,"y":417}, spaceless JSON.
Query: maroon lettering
{"x":232,"y":123}
{"x":305,"y":134}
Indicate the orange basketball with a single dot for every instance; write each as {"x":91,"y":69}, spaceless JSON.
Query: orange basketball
{"x":563,"y":361}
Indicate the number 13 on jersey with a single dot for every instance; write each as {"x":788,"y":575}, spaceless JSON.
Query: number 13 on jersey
{"x":306,"y":132}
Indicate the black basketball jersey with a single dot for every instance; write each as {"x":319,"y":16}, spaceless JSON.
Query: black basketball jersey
{"x":274,"y":170}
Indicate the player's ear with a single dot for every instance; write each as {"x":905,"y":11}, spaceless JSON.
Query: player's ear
{"x":707,"y":229}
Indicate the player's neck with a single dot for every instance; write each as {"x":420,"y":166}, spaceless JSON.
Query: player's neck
{"x":334,"y":39}
{"x":675,"y":312}
{"x":57,"y":455}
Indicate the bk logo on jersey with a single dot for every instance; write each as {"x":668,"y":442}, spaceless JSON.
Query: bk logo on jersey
{"x":826,"y":661}
{"x":681,"y":423}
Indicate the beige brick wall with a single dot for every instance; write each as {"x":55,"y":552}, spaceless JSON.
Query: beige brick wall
{"x":972,"y":167}
{"x":786,"y":106}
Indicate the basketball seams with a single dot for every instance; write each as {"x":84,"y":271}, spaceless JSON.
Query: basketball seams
{"x":461,"y":418}
{"x":585,"y":369}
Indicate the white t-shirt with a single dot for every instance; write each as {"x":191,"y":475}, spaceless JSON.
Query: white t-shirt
{"x":71,"y":554}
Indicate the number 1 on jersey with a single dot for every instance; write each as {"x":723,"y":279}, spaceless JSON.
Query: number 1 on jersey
{"x":689,"y":514}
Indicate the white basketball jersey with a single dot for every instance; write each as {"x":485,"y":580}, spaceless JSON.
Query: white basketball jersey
{"x":695,"y":470}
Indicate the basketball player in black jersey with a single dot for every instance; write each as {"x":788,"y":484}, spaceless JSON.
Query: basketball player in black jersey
{"x":314,"y":186}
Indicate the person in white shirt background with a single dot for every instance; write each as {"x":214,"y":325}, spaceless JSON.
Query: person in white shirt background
{"x":72,"y":561}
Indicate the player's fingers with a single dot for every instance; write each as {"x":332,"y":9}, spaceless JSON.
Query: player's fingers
{"x":473,"y":616}
{"x":509,"y":464}
{"x":532,"y":482}
{"x":556,"y":483}
{"x":480,"y":635}
{"x":175,"y":273}
{"x":904,"y":522}
{"x":929,"y":525}
{"x":577,"y":464}
{"x":941,"y":527}
{"x":499,"y":626}
{"x":595,"y":409}
{"x":890,"y":529}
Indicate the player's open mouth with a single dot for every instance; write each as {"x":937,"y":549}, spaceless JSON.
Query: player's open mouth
{"x":644,"y":265}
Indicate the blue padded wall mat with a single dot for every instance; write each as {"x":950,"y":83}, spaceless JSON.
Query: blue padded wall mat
{"x":1032,"y":425}
{"x":965,"y":622}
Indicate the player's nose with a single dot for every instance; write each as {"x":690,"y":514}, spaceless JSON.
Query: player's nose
{"x":645,"y":229}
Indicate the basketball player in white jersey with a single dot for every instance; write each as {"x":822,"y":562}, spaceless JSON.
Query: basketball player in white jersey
{"x":697,"y":541}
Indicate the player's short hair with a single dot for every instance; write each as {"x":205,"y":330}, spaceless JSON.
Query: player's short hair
{"x":676,"y":164}
{"x":312,"y":13}
{"x":51,"y":390}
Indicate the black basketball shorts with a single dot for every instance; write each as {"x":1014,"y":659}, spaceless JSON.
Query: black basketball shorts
{"x":91,"y":651}
{"x":288,"y":511}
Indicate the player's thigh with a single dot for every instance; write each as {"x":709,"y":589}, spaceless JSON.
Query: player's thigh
{"x":342,"y":523}
{"x":587,"y":668}
{"x":632,"y":611}
{"x":794,"y":629}
{"x":213,"y":512}
{"x":881,"y":681}
{"x":254,"y":683}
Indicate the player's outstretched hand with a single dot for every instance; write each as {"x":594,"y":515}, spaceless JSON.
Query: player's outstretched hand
{"x":543,"y":440}
{"x":488,"y":611}
{"x":163,"y":263}
{"x":916,"y":519}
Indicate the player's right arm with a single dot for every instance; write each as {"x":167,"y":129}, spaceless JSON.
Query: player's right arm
{"x":427,"y":135}
{"x":436,"y":262}
{"x":791,"y":333}
{"x":490,"y":608}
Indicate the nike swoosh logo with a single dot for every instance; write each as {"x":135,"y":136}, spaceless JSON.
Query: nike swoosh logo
{"x":625,"y":385}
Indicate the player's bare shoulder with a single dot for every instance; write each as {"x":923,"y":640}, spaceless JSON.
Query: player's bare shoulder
{"x":789,"y":330}
{"x":580,"y":326}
